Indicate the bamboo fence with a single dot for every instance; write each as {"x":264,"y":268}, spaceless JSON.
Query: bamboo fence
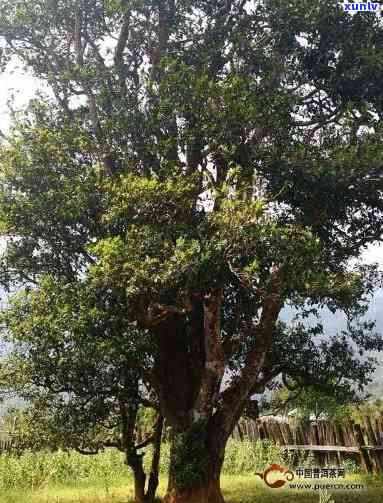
{"x":329,"y":442}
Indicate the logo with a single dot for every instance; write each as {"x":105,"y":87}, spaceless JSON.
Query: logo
{"x":285,"y":475}
{"x":362,"y":7}
{"x":276,"y":476}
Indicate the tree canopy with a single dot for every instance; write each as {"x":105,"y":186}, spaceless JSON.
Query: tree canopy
{"x":194,"y":168}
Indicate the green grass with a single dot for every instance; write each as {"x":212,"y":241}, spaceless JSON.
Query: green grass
{"x":62,"y":477}
{"x":33,"y":470}
{"x":237,"y":489}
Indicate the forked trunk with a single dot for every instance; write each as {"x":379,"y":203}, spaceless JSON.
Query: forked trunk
{"x":135,"y":461}
{"x":195,"y":467}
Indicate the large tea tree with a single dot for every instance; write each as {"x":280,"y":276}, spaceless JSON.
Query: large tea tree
{"x":202,"y":165}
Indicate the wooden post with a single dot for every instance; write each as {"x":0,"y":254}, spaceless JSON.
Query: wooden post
{"x":364,"y":457}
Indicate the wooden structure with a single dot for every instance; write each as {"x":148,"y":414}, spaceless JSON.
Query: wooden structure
{"x":5,"y":446}
{"x":329,"y":442}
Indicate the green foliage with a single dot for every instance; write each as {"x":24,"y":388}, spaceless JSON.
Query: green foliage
{"x":73,"y":376}
{"x":51,"y":425}
{"x":370,"y":408}
{"x":249,"y":457}
{"x":351,"y":466}
{"x":312,"y":403}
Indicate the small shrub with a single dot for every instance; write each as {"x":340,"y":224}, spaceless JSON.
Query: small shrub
{"x":350,"y":466}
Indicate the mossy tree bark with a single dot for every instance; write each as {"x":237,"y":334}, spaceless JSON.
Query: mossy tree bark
{"x":196,"y":461}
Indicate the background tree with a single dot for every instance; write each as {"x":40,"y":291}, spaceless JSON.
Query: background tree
{"x":369,"y":407}
{"x":81,"y":392}
{"x":50,"y":424}
{"x":201,"y":166}
{"x":308,"y":403}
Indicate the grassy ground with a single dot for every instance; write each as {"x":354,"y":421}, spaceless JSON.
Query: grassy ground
{"x":68,"y":477}
{"x":237,"y":489}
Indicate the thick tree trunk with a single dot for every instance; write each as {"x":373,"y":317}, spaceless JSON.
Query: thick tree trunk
{"x":191,"y":399}
{"x":207,"y":492}
{"x":195,"y":467}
